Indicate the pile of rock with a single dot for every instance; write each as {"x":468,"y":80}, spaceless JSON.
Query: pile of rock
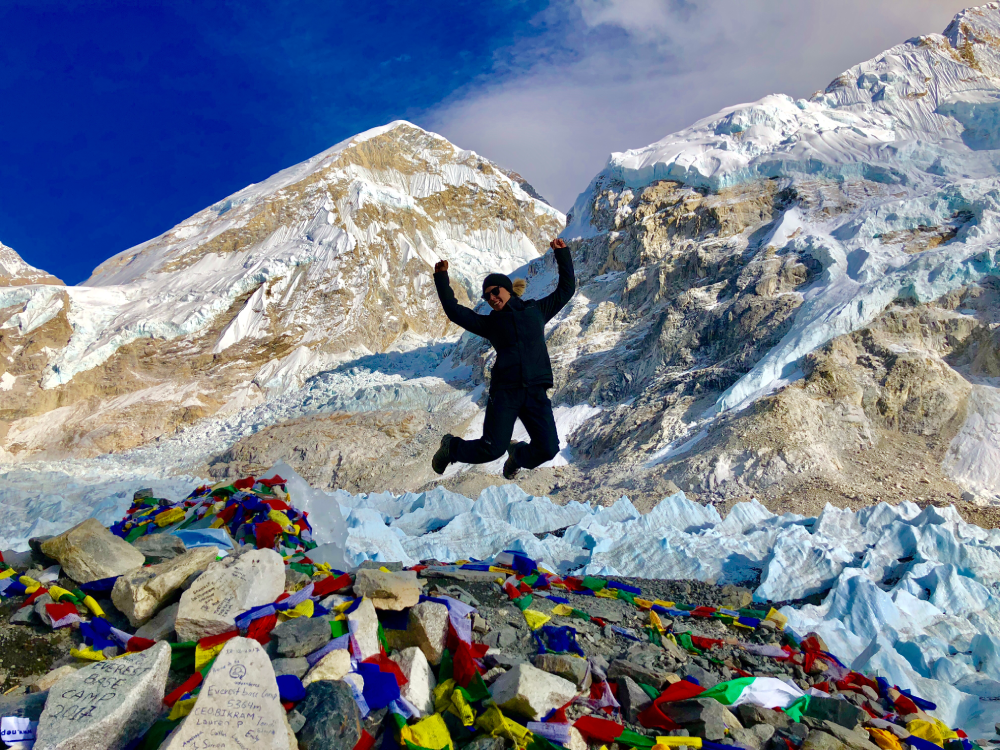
{"x":178,"y":642}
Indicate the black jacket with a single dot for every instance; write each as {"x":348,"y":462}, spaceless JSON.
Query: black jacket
{"x":518,"y":331}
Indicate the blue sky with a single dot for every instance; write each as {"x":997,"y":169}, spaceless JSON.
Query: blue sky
{"x":123,"y":118}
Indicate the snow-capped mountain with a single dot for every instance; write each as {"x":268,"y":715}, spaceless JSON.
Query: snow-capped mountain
{"x":328,"y":260}
{"x":15,"y":272}
{"x":792,"y":298}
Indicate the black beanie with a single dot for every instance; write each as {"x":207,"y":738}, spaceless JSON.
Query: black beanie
{"x":498,"y":279}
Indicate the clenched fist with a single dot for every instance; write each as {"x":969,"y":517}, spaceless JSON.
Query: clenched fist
{"x":441,"y":266}
{"x":557,"y":244}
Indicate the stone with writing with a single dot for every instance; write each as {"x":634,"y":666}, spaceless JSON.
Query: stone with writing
{"x":238,"y":707}
{"x":105,"y":705}
{"x":226,"y":589}
{"x":139,"y":594}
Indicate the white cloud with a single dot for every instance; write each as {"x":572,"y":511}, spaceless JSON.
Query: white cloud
{"x":608,"y":75}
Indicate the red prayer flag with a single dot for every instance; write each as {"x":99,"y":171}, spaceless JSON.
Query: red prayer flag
{"x":601,"y":730}
{"x":185,"y":687}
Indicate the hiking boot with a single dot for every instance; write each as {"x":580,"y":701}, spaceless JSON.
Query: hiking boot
{"x":442,"y":457}
{"x":510,"y":466}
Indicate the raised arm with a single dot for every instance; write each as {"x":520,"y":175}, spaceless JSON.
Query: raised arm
{"x":556,"y":301}
{"x":471,"y":321}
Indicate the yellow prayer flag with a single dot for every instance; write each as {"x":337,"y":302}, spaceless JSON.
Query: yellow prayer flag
{"x":535,"y":619}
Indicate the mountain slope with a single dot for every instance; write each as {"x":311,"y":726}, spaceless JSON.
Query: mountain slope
{"x":15,"y":272}
{"x":328,"y":259}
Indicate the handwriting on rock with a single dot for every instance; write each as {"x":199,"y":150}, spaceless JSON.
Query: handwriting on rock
{"x":236,"y":711}
{"x":99,"y":691}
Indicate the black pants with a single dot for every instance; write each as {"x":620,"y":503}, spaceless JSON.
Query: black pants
{"x":534,"y":409}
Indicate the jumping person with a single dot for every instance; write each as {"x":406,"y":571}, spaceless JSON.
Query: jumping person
{"x":522,"y":372}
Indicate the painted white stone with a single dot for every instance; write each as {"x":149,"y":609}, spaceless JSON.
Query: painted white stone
{"x":226,"y":589}
{"x":138,"y":594}
{"x":429,"y":627}
{"x":530,"y":692}
{"x":333,"y":666}
{"x":419,"y":688}
{"x":363,"y":623}
{"x":106,"y":705}
{"x":238,"y":707}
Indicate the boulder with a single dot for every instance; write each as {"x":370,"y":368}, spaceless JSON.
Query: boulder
{"x":89,"y":552}
{"x":226,"y":589}
{"x":161,"y":626}
{"x":302,"y":635}
{"x":238,"y":706}
{"x":159,"y":547}
{"x":653,"y":677}
{"x":395,"y":591}
{"x":751,"y":715}
{"x":107,"y":704}
{"x":332,"y":719}
{"x":818,"y":740}
{"x":297,"y":666}
{"x":333,"y":666}
{"x":139,"y":594}
{"x":567,"y":666}
{"x":839,"y":712}
{"x":366,"y":630}
{"x":419,"y":688}
{"x":633,"y":699}
{"x":705,"y":717}
{"x":530,"y":692}
{"x":429,"y":627}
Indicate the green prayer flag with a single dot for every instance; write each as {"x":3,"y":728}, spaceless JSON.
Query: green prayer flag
{"x":339,"y":628}
{"x":627,"y":596}
{"x":634,"y":739}
{"x":594,"y":584}
{"x":649,"y":690}
{"x":446,"y":669}
{"x":798,"y":707}
{"x":135,"y":533}
{"x":477,"y":690}
{"x":685,"y":642}
{"x":530,"y":580}
{"x":524,"y":601}
{"x":157,"y":733}
{"x":727,"y":692}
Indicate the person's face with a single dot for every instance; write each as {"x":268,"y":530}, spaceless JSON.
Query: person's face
{"x":496,"y":297}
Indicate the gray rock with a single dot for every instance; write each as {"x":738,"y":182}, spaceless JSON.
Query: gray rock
{"x":839,"y":712}
{"x":107,"y":704}
{"x":296,"y":721}
{"x":297,"y":666}
{"x":332,"y":720}
{"x":889,"y":726}
{"x":751,"y":715}
{"x":818,"y":740}
{"x":238,"y":706}
{"x":495,"y":658}
{"x":746,"y":738}
{"x":764,"y":732}
{"x":607,"y":609}
{"x":302,"y":635}
{"x":705,"y":678}
{"x":39,"y":608}
{"x":567,"y":666}
{"x":487,"y":743}
{"x":25,"y":616}
{"x":159,"y":547}
{"x":89,"y":552}
{"x":143,"y":493}
{"x":622,"y":668}
{"x":703,"y":717}
{"x":161,"y":627}
{"x":428,"y":625}
{"x":392,"y":591}
{"x":856,"y":740}
{"x":632,"y":698}
{"x":504,"y":637}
